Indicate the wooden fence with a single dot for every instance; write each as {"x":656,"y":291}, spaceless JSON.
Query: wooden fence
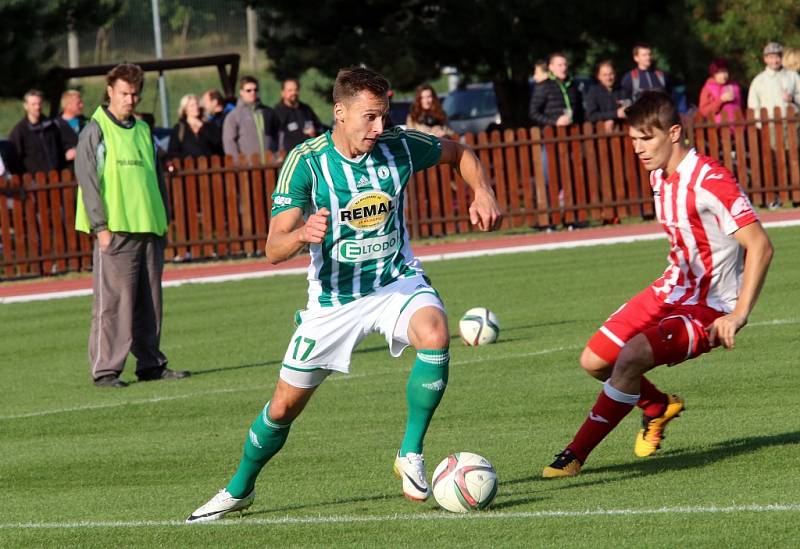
{"x":552,"y":177}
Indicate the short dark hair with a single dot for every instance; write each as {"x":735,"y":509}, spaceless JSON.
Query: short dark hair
{"x":641,"y":46}
{"x":353,"y":80}
{"x":653,"y":109}
{"x":602,"y":64}
{"x":247,"y":79}
{"x":554,"y":55}
{"x":214,"y":95}
{"x":128,"y":72}
{"x":33,"y":93}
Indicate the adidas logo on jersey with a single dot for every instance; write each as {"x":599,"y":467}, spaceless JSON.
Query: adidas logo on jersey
{"x":363,"y":182}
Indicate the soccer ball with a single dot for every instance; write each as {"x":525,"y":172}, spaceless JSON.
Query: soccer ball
{"x":464,"y":482}
{"x":479,"y":326}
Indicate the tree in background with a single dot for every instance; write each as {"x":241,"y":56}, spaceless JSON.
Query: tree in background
{"x":411,"y":40}
{"x":739,"y":29}
{"x":30,"y":30}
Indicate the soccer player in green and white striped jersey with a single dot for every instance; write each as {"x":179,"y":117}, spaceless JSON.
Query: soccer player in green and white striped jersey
{"x":342,"y":195}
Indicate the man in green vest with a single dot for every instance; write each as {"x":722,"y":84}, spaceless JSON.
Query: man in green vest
{"x":122,"y":201}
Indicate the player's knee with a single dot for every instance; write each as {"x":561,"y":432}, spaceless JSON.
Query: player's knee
{"x":434,"y":339}
{"x":594,"y":365}
{"x":279,"y":411}
{"x":635,"y":358}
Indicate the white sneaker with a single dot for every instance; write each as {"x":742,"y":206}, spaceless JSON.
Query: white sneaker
{"x":411,"y":469}
{"x":220,"y":505}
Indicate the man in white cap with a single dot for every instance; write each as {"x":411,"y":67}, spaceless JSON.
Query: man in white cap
{"x":775,"y":86}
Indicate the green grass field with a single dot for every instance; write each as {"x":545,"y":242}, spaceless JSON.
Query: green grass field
{"x":88,"y":467}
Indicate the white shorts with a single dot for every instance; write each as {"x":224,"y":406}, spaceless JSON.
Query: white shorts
{"x":326,"y":337}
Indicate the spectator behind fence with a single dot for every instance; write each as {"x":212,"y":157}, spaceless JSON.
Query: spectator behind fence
{"x":214,"y":107}
{"x":190,"y":136}
{"x":70,"y":123}
{"x":426,"y":113}
{"x":775,"y":86}
{"x":295,"y":121}
{"x":250,"y":127}
{"x":123,"y":201}
{"x":36,"y":140}
{"x":720,"y":94}
{"x":791,"y":59}
{"x":644,"y":76}
{"x":556,"y":101}
{"x":606,"y":101}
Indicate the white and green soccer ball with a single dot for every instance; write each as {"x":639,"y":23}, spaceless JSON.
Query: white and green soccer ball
{"x":464,"y":482}
{"x":479,"y":326}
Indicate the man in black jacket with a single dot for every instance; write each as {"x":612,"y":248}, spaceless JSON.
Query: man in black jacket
{"x":556,"y":101}
{"x":214,"y":107}
{"x":295,"y":120}
{"x":606,"y":102}
{"x":36,"y":140}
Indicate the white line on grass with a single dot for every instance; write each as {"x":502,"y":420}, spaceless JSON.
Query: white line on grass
{"x":351,"y":519}
{"x":118,"y":404}
{"x":657,"y":234}
{"x":775,"y":322}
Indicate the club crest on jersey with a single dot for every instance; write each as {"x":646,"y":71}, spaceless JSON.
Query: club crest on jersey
{"x":367,"y":211}
{"x":383,"y":172}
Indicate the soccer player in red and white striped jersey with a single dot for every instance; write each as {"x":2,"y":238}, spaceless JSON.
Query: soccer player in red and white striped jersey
{"x":718,"y":260}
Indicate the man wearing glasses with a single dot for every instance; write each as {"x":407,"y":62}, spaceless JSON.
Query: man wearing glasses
{"x":249,"y":128}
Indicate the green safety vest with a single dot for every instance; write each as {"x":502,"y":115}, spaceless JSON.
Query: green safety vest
{"x":128,"y":180}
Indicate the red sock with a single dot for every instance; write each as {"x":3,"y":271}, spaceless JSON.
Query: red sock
{"x":652,"y":401}
{"x":605,"y":415}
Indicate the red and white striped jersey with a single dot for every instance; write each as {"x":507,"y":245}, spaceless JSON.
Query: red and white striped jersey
{"x":700,"y":206}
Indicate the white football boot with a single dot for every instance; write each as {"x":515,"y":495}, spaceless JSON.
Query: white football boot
{"x":220,"y":505}
{"x":411,"y":469}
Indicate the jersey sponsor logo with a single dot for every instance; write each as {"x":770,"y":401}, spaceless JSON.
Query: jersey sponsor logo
{"x":356,"y":251}
{"x":740,"y":207}
{"x":280,"y":201}
{"x":383,"y":172}
{"x":367,"y":211}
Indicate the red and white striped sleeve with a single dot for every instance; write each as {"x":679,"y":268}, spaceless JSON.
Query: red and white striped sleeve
{"x":725,"y":199}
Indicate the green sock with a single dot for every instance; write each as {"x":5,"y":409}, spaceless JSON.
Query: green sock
{"x":264,"y":440}
{"x":426,"y":385}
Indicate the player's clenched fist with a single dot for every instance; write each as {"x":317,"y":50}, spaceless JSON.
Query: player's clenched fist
{"x":484,"y":211}
{"x":315,"y":227}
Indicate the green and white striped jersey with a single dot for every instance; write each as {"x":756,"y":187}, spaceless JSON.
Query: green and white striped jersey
{"x":367,"y":243}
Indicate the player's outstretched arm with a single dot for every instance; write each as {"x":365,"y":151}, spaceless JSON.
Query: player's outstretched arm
{"x":288,"y":234}
{"x":484,"y":210}
{"x":759,"y":250}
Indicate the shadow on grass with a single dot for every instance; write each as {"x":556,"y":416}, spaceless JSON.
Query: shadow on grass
{"x":359,"y":351}
{"x":239,"y":367}
{"x":673,"y":460}
{"x":345,"y":501}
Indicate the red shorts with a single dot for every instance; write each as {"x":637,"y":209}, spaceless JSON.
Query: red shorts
{"x":675,"y":332}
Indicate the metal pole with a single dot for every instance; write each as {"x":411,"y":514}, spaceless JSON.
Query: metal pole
{"x":72,"y":49}
{"x":252,"y":36}
{"x":162,"y":85}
